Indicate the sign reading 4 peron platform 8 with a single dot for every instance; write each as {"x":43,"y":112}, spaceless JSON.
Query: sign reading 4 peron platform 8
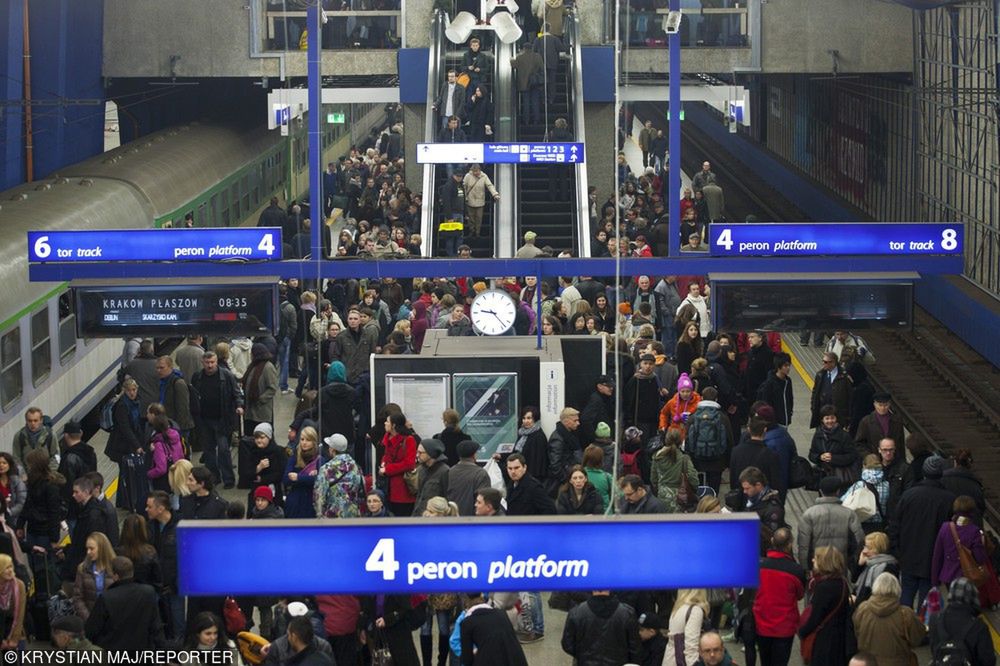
{"x":787,"y":239}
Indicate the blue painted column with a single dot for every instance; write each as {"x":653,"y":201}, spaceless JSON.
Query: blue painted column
{"x":11,"y":73}
{"x":313,"y":61}
{"x":674,"y":140}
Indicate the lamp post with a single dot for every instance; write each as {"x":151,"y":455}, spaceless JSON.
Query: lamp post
{"x":674,"y":140}
{"x":314,"y":55}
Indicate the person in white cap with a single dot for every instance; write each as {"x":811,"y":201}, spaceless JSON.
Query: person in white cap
{"x":339,"y":491}
{"x":279,"y":651}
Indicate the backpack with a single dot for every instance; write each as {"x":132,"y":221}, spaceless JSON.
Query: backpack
{"x":952,"y":651}
{"x":630,"y":463}
{"x":706,"y":434}
{"x":107,"y":421}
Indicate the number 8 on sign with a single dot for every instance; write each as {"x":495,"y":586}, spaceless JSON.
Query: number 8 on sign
{"x":383,"y":558}
{"x":949,"y":239}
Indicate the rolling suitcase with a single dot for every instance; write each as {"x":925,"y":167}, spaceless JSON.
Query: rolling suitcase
{"x":134,"y":484}
{"x":245,"y":468}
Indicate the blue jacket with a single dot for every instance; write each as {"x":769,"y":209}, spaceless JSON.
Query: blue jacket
{"x":299,"y":493}
{"x":780,"y":441}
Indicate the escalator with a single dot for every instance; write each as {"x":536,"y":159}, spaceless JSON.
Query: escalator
{"x":445,"y":56}
{"x":552,"y":214}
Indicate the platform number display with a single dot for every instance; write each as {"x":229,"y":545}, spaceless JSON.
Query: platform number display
{"x":949,"y":239}
{"x":725,"y":239}
{"x":383,"y":559}
{"x":267,"y":244}
{"x":42,"y":247}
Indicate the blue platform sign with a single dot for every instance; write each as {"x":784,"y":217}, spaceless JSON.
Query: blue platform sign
{"x":251,"y":244}
{"x":362,"y":556}
{"x":835,"y":239}
{"x":500,"y":153}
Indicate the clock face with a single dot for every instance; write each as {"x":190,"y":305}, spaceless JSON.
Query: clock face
{"x":493,"y":312}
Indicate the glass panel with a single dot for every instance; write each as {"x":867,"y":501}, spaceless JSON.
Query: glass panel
{"x":67,"y":328}
{"x":41,"y":352}
{"x":10,"y":374}
{"x":375,"y":26}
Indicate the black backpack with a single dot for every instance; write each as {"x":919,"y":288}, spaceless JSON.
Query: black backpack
{"x":953,"y":651}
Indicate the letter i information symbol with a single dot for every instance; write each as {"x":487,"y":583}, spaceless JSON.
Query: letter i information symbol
{"x":383,"y":558}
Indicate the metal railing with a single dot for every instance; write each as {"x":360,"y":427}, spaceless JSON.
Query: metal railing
{"x":582,"y":203}
{"x":730,"y":26}
{"x":284,"y":23}
{"x":434,"y":62}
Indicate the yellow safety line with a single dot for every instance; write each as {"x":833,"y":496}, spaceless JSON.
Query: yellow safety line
{"x":993,"y":632}
{"x":797,"y":365}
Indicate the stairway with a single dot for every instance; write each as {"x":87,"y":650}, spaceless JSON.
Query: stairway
{"x":539,"y":211}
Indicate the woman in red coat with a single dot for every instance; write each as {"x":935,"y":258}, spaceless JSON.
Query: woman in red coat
{"x":400,"y":457}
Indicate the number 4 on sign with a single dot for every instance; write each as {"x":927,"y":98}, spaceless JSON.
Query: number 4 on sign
{"x":383,"y":558}
{"x":267,"y":244}
{"x":725,"y":239}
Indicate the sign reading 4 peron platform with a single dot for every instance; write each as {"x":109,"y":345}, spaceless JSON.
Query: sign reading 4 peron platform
{"x":466,"y":554}
{"x":226,"y":244}
{"x":835,"y":239}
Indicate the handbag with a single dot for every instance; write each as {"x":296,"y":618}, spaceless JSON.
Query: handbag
{"x":381,"y":656}
{"x":687,"y":496}
{"x":803,"y":475}
{"x":235,"y":619}
{"x":808,"y":642}
{"x":974,"y":571}
{"x":411,"y":478}
{"x":496,"y":476}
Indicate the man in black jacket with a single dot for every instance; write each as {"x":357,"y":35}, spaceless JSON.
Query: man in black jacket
{"x":754,"y":453}
{"x":220,"y":403}
{"x":777,"y":389}
{"x":126,"y":616}
{"x":525,"y":494}
{"x":108,"y":509}
{"x":203,"y":503}
{"x":600,"y":408}
{"x":90,"y":518}
{"x":638,"y":500}
{"x":913,"y":529}
{"x":602,"y":630}
{"x":78,"y":459}
{"x":163,"y":537}
{"x":273,"y":215}
{"x":564,"y":449}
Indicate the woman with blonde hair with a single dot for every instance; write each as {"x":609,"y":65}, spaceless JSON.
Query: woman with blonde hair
{"x":686,"y":619}
{"x":300,"y":475}
{"x":829,"y":610}
{"x":874,"y":560}
{"x":441,"y":607}
{"x":13,"y":597}
{"x":93,"y":575}
{"x":439,"y":507}
{"x":179,"y":478}
{"x":885,"y":628}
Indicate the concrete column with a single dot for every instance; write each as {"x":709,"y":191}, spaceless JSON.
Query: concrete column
{"x":413,"y":132}
{"x":600,"y":147}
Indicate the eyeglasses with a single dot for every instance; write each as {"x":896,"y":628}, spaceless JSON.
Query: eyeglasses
{"x":827,"y":361}
{"x":887,"y":450}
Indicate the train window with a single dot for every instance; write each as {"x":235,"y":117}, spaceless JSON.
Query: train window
{"x":11,"y":385}
{"x":41,"y":347}
{"x":245,"y":188}
{"x":258,"y":176}
{"x":67,"y":328}
{"x":213,"y":209}
{"x":225,"y":217}
{"x":200,"y":219}
{"x":234,"y":197}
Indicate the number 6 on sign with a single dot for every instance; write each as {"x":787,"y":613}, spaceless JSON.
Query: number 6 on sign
{"x":383,"y":558}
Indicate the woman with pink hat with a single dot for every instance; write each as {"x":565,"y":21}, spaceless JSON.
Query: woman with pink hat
{"x":675,"y":413}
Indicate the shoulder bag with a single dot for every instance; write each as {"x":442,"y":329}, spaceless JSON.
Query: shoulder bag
{"x":971,"y":569}
{"x":808,"y":642}
{"x":687,"y":496}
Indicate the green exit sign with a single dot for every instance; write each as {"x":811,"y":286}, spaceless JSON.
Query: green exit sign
{"x":335,"y":118}
{"x":682,"y":115}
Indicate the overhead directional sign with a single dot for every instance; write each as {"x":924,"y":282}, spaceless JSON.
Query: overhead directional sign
{"x":836,"y":239}
{"x":467,"y":554}
{"x":500,"y":153}
{"x":251,"y":244}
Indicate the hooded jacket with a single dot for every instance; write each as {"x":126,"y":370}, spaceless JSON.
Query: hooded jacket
{"x":914,"y":526}
{"x":829,"y":523}
{"x":671,"y":416}
{"x":564,"y":452}
{"x":666,"y":472}
{"x":888,"y":630}
{"x":777,"y":392}
{"x":601,"y":632}
{"x":776,"y":604}
{"x":339,"y":490}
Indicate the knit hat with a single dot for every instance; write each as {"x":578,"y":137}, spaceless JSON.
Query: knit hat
{"x":935,"y":466}
{"x":684,"y":382}
{"x":766,"y":412}
{"x":70,"y":624}
{"x":336,"y":442}
{"x":632,"y":433}
{"x":606,"y":380}
{"x":433,"y":447}
{"x":602,"y":431}
{"x":963,"y":591}
{"x":265,"y":492}
{"x":297,"y":609}
{"x":530,"y":236}
{"x":264,"y":428}
{"x":337,"y":372}
{"x":467,"y":448}
{"x":259,"y":352}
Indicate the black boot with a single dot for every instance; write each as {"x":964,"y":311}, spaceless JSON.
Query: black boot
{"x":426,"y":649}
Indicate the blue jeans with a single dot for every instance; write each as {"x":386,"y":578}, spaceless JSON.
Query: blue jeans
{"x":216,"y":454}
{"x":450,"y":240}
{"x":531,"y":105}
{"x":537,"y":618}
{"x":175,"y":603}
{"x":913,"y":587}
{"x":284,"y":347}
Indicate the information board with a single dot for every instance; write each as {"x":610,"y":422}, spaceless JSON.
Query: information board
{"x":422,"y":397}
{"x":174,"y":310}
{"x":248,"y":243}
{"x":500,"y":153}
{"x":467,"y":554}
{"x":835,"y":239}
{"x":487,"y":407}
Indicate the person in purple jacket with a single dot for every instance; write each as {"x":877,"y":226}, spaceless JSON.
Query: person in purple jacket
{"x":945,"y":565}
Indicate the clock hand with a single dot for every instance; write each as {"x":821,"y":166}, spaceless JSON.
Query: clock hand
{"x":489,"y":312}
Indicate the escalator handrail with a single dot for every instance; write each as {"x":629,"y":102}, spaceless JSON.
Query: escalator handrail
{"x":434,"y":61}
{"x":581,"y":208}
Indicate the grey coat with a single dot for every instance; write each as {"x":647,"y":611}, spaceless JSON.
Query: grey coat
{"x":828,"y":523}
{"x":465,"y":480}
{"x":433,"y":482}
{"x":262,"y":409}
